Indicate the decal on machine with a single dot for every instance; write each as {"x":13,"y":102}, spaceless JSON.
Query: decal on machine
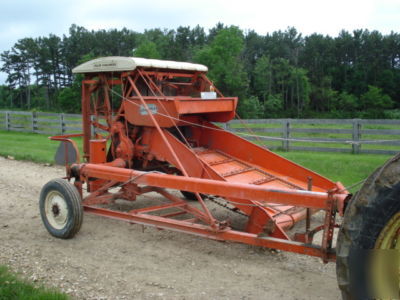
{"x":152,"y":107}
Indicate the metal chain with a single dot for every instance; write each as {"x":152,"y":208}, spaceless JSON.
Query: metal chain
{"x":224,"y":205}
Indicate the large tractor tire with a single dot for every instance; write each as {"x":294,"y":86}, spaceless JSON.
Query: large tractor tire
{"x":368,"y":245}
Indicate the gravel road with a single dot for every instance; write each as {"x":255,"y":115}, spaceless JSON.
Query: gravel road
{"x":110,"y":259}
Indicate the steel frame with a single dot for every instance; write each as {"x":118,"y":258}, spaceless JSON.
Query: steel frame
{"x":314,"y":200}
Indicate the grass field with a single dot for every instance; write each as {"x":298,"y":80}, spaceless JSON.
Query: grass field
{"x":345,"y":167}
{"x":11,"y":287}
{"x":28,"y":146}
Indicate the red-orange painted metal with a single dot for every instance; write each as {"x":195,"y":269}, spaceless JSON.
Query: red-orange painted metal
{"x":158,"y":135}
{"x":204,"y":231}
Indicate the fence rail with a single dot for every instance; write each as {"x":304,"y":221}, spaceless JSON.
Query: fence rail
{"x":323,"y":135}
{"x":38,"y":122}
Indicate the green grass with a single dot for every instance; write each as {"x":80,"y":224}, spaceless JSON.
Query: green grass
{"x":28,"y":146}
{"x":344,"y":167}
{"x":12,"y":287}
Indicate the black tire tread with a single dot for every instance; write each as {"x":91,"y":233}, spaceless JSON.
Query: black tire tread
{"x":72,"y":195}
{"x":376,"y":198}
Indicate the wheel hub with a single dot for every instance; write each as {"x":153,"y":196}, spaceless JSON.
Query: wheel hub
{"x":56,"y":210}
{"x":386,"y":261}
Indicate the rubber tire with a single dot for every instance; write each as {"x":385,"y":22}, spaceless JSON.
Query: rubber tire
{"x":366,"y":215}
{"x":75,"y":209}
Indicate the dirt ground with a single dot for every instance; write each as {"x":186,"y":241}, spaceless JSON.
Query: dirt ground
{"x":110,"y":259}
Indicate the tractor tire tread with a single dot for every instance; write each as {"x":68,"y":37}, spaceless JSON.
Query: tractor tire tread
{"x":365,"y":216}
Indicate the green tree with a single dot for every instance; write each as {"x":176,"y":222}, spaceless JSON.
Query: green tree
{"x":263,"y":78}
{"x":251,"y":108}
{"x":223,"y":58}
{"x":278,"y":79}
{"x":163,"y":39}
{"x":374,"y":102}
{"x":273,"y":106}
{"x":69,"y":99}
{"x":315,"y":74}
{"x":347,"y":102}
{"x":147,"y":49}
{"x":6,"y":95}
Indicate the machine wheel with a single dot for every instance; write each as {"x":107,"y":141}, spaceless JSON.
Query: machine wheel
{"x":60,"y":208}
{"x":372,"y":223}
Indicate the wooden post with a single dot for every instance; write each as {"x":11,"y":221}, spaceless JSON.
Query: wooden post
{"x":356,"y":136}
{"x":92,"y":128}
{"x":62,"y":125}
{"x":33,"y":121}
{"x":7,"y":120}
{"x":286,"y":134}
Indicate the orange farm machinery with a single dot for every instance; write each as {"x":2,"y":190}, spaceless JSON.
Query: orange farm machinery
{"x":155,"y":126}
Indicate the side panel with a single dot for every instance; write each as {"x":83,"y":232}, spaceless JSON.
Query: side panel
{"x":136,"y":114}
{"x":214,"y":110}
{"x":192,"y":164}
{"x":263,"y":158}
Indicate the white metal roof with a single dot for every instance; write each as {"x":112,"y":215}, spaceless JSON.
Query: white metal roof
{"x":122,"y":63}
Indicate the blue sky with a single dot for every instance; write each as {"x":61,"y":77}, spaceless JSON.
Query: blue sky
{"x":26,"y":18}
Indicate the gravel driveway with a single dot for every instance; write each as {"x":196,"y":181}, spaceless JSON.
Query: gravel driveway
{"x":115,"y":260}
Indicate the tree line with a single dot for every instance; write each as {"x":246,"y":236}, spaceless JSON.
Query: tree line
{"x":280,"y":74}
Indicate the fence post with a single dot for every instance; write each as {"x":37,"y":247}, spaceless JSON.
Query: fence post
{"x":62,"y":125}
{"x":7,"y":120}
{"x":33,"y":121}
{"x":92,"y":128}
{"x":286,"y":134}
{"x":356,"y":136}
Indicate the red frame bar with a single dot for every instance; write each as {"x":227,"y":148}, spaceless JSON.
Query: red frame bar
{"x":157,"y":208}
{"x":316,"y":200}
{"x":207,"y":232}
